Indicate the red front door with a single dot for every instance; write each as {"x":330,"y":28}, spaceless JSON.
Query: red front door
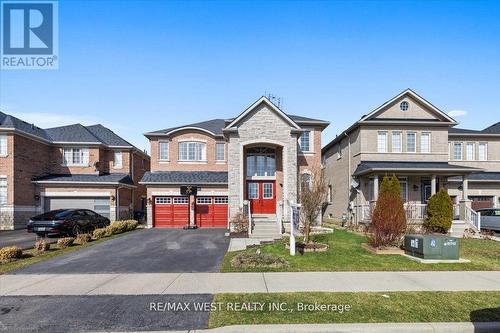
{"x":262,"y":196}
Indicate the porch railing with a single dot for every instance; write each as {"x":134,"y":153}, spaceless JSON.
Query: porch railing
{"x":473,"y":218}
{"x":414,"y":211}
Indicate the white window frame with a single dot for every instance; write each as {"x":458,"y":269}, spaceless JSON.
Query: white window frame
{"x":408,"y":134}
{"x":118,"y":165}
{"x":394,"y":135}
{"x":221,"y":200}
{"x":83,"y":156}
{"x":204,"y":200}
{"x":217,"y":152}
{"x":181,"y":200}
{"x":458,"y":144}
{"x":163,"y":200}
{"x":379,"y":146}
{"x":3,"y":145}
{"x":473,"y":155}
{"x":199,"y":151}
{"x":310,"y":134}
{"x":248,"y":190}
{"x":428,"y":135}
{"x":163,"y":157}
{"x":485,"y":145}
{"x":4,"y":192}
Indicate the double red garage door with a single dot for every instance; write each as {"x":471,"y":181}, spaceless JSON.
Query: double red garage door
{"x":173,"y":211}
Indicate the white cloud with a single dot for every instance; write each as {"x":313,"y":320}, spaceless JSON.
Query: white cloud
{"x":457,"y":113}
{"x":46,"y":119}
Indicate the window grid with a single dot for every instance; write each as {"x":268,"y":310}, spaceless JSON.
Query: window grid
{"x":469,"y":152}
{"x":203,"y":200}
{"x":396,"y":142}
{"x":75,"y":156}
{"x":3,"y":191}
{"x":192,"y":151}
{"x":457,"y":151}
{"x":221,"y":200}
{"x":411,"y":142}
{"x":163,"y":200}
{"x":268,"y":190}
{"x":118,"y":160}
{"x":305,"y":141}
{"x":219,"y":152}
{"x":425,"y":142}
{"x":163,"y":151}
{"x":483,"y":151}
{"x":253,"y":190}
{"x":181,"y":200}
{"x":382,"y":142}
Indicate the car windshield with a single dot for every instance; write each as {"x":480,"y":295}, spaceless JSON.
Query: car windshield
{"x":54,"y":214}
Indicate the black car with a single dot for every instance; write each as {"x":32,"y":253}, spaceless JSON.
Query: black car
{"x":66,"y":222}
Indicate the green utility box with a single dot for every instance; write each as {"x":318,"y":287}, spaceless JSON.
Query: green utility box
{"x":432,"y":247}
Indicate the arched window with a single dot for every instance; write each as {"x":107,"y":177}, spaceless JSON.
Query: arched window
{"x":261,"y":161}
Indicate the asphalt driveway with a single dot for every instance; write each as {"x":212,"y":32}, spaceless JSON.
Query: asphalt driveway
{"x":20,"y":238}
{"x":143,"y":251}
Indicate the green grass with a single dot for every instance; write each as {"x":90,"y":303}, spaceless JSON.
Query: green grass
{"x":54,"y":251}
{"x":365,"y":308}
{"x":346,"y":254}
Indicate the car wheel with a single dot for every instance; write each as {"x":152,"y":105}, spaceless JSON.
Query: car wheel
{"x":76,"y":230}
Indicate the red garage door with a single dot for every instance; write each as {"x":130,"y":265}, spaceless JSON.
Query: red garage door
{"x":211,"y":212}
{"x":171,"y":212}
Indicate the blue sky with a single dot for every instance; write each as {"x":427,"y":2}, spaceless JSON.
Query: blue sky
{"x":143,"y":66}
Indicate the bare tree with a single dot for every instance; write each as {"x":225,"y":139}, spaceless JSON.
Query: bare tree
{"x":313,"y":192}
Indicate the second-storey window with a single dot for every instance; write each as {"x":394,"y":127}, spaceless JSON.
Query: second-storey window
{"x":163,"y":150}
{"x":192,"y":151}
{"x":3,"y":191}
{"x":118,"y":160}
{"x":75,"y":156}
{"x":3,"y":145}
{"x":483,"y":151}
{"x":396,"y":142}
{"x":457,"y":151}
{"x":469,"y":152}
{"x":382,"y":142}
{"x":305,"y":141}
{"x":425,"y":142}
{"x":219,"y":152}
{"x":411,"y":142}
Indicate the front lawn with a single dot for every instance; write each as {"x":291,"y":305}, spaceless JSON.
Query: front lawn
{"x":346,"y":254}
{"x":364,"y":308}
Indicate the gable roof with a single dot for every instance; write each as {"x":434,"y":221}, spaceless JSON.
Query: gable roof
{"x":272,"y":106}
{"x":213,"y":127}
{"x":71,"y":133}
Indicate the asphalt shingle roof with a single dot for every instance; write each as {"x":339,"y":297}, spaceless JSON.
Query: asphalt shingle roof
{"x":71,"y":133}
{"x":107,"y":136}
{"x":185,"y":177}
{"x":114,"y":178}
{"x":214,"y":125}
{"x":8,"y":121}
{"x":365,"y":167}
{"x":493,"y":129}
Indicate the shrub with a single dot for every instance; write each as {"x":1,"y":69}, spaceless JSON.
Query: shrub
{"x":83,"y":238}
{"x":252,"y":260}
{"x":10,"y":252}
{"x":65,"y":242}
{"x":389,"y":216}
{"x":439,"y":212}
{"x":131,"y":224}
{"x":41,"y":245}
{"x":239,"y":222}
{"x":99,"y":233}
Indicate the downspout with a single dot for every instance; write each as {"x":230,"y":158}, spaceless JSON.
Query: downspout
{"x":349,"y":178}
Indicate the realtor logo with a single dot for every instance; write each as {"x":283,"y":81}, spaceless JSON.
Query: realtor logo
{"x":29,"y":35}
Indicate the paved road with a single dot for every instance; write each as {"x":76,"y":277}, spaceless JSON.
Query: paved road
{"x":143,"y":251}
{"x":99,"y":313}
{"x":20,"y":238}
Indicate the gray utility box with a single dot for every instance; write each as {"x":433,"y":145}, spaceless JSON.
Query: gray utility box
{"x":432,"y":247}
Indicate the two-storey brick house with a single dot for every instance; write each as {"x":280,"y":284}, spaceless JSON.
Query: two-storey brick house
{"x":255,"y":158}
{"x":407,"y":137}
{"x":71,"y":166}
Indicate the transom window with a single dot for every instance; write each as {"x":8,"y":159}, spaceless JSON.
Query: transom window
{"x":75,"y":156}
{"x":163,"y":150}
{"x":181,"y":200}
{"x":192,"y":151}
{"x":253,"y":190}
{"x":411,"y":142}
{"x":203,"y":200}
{"x":404,"y":106}
{"x":163,"y":200}
{"x":3,"y":145}
{"x":267,"y":188}
{"x":382,"y":142}
{"x":221,"y":200}
{"x":118,"y":160}
{"x":305,"y":141}
{"x":219,"y":152}
{"x":457,"y":151}
{"x":261,"y":162}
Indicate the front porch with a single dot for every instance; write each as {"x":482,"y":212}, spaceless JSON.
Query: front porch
{"x":418,"y":183}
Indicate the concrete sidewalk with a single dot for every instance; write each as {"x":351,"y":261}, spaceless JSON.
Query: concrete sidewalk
{"x":213,"y":283}
{"x":492,"y":327}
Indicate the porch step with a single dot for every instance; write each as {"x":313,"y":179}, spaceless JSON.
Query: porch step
{"x":458,"y":228}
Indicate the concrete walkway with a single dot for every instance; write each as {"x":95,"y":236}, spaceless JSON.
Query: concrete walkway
{"x":493,"y":327}
{"x":213,"y":283}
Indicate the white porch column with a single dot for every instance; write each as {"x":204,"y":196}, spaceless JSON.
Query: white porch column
{"x":433,"y":185}
{"x":465,"y":188}
{"x":495,"y":201}
{"x":465,"y":202}
{"x":375,"y":188}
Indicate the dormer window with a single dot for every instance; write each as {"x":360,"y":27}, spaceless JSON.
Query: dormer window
{"x":404,"y":106}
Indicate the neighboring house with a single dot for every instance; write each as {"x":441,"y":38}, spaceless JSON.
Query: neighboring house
{"x":71,"y":166}
{"x":412,"y":139}
{"x":255,"y":158}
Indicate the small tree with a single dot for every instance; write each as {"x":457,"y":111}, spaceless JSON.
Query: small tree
{"x":313,"y":191}
{"x":389,"y":217}
{"x":439,"y":212}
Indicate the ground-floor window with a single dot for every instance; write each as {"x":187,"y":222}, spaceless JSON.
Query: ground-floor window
{"x":3,"y":191}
